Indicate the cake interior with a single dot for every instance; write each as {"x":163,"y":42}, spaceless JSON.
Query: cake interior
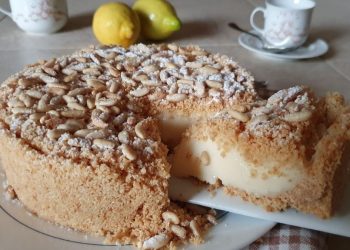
{"x":293,"y":174}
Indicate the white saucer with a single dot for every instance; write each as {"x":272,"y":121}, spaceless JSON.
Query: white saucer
{"x":311,"y":50}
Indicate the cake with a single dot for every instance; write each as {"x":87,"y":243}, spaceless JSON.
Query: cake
{"x":85,"y":140}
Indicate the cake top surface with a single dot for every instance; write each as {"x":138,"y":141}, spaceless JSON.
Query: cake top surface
{"x":95,"y":100}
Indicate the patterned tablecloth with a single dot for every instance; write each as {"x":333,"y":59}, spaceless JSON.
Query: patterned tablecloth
{"x":284,"y":237}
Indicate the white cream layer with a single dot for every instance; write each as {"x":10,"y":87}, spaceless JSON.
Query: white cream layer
{"x":232,"y":169}
{"x":172,"y":127}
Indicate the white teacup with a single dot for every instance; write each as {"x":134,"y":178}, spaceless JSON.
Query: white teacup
{"x":38,"y":16}
{"x":286,"y":22}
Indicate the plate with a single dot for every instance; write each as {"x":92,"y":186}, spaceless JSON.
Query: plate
{"x":21,"y":230}
{"x":316,"y":48}
{"x":189,"y":191}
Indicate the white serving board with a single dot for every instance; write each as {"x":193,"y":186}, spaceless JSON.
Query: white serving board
{"x":186,"y":190}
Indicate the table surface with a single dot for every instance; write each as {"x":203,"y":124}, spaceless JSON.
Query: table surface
{"x":205,"y":24}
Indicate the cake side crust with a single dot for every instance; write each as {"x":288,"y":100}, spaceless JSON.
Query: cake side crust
{"x":89,"y":199}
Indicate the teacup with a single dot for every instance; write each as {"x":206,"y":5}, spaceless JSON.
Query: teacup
{"x":38,"y":16}
{"x":286,"y":22}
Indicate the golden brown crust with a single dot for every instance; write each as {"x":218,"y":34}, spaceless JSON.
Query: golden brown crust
{"x":67,"y":192}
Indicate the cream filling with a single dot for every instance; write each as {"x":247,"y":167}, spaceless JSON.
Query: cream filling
{"x":203,"y":160}
{"x":172,"y":127}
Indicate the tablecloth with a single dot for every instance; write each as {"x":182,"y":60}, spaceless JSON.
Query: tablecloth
{"x":283,"y":237}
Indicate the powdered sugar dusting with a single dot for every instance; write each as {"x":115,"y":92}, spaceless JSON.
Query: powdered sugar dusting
{"x":273,"y":120}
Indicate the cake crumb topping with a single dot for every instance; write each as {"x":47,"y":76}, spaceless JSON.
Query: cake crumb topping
{"x":82,"y":102}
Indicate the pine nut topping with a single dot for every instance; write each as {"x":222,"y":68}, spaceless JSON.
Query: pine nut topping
{"x":46,"y":78}
{"x":96,"y":134}
{"x":78,"y":91}
{"x":150,"y":69}
{"x":90,"y":102}
{"x":53,"y":113}
{"x":83,"y":132}
{"x":96,"y":84}
{"x":239,"y":116}
{"x":70,"y":77}
{"x":139,"y":92}
{"x":106,"y":102}
{"x":301,"y":116}
{"x":194,"y":65}
{"x":21,"y":110}
{"x":103,"y":143}
{"x":114,"y":87}
{"x":50,"y":63}
{"x":176,"y":97}
{"x":178,"y":231}
{"x":28,"y":101}
{"x":99,"y":97}
{"x":43,"y":103}
{"x":172,"y":47}
{"x":73,"y":113}
{"x":97,"y":119}
{"x":184,"y":81}
{"x":92,"y":71}
{"x":153,"y":83}
{"x":212,"y":219}
{"x":25,"y":83}
{"x":170,"y":65}
{"x":36,"y":116}
{"x":67,"y":71}
{"x":69,"y":99}
{"x":214,"y":84}
{"x":128,"y":152}
{"x":55,"y":133}
{"x":77,"y":106}
{"x":123,"y":137}
{"x":156,"y":242}
{"x":208,"y":70}
{"x":199,"y":52}
{"x":114,"y":72}
{"x":141,"y":78}
{"x":140,"y":131}
{"x":56,"y":91}
{"x":58,"y":85}
{"x":171,"y":216}
{"x":194,"y":228}
{"x":34,"y":93}
{"x":50,"y":71}
{"x":16,"y":103}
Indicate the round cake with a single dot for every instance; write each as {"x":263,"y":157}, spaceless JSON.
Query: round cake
{"x":85,"y":140}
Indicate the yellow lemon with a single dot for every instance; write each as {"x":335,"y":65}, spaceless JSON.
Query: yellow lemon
{"x":116,"y":23}
{"x":158,"y":18}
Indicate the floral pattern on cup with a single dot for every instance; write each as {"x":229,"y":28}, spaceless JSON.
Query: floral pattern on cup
{"x":39,"y":16}
{"x":286,"y":24}
{"x":42,"y":10}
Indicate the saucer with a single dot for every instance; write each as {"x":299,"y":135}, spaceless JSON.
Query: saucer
{"x":309,"y":50}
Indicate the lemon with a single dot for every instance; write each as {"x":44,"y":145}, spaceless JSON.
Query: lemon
{"x":116,"y":23}
{"x":158,"y":18}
